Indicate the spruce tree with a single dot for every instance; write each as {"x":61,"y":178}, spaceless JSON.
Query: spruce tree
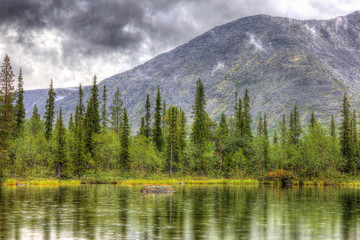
{"x":222,"y":133}
{"x":142,"y":127}
{"x":354,"y":131}
{"x":345,"y":134}
{"x":116,"y":112}
{"x":239,"y":119}
{"x":295,"y":127}
{"x":199,"y":133}
{"x":79,"y":157}
{"x":35,"y":121}
{"x":266,"y":143}
{"x":172,"y":139}
{"x":275,"y":138}
{"x":259,"y":129}
{"x":92,"y":118}
{"x":71,"y":125}
{"x":125,"y":163}
{"x":157,"y":131}
{"x":332,"y":127}
{"x":104,"y":119}
{"x":81,"y":102}
{"x":283,"y":132}
{"x":19,"y":107}
{"x":247,"y":115}
{"x":147,"y":117}
{"x":7,"y":95}
{"x":312,"y":120}
{"x":182,"y":132}
{"x":49,"y":111}
{"x":60,"y":145}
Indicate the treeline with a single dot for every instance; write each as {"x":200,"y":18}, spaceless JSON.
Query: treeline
{"x":99,"y":143}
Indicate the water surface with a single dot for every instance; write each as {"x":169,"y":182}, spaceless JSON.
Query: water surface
{"x":193,"y":212}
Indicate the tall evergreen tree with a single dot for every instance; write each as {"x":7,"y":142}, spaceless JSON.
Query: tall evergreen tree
{"x":199,"y":134}
{"x":125,"y":163}
{"x":35,"y":121}
{"x":147,"y":117}
{"x":260,"y":126}
{"x":354,"y":131}
{"x":266,"y":143}
{"x":345,"y":135}
{"x":163,"y":117}
{"x":182,"y":132}
{"x":104,"y":118}
{"x":19,"y":107}
{"x":275,"y":138}
{"x":116,"y":112}
{"x":79,"y":156}
{"x":312,"y":120}
{"x":81,"y":102}
{"x":49,"y":111}
{"x":92,"y":118}
{"x":142,"y":127}
{"x":239,"y":116}
{"x":295,"y":127}
{"x":332,"y":127}
{"x":7,"y":96}
{"x":222,"y":133}
{"x":157,"y":131}
{"x":60,"y":145}
{"x":71,"y":125}
{"x":247,"y":115}
{"x":172,"y":139}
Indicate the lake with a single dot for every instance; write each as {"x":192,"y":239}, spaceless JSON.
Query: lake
{"x":193,"y":212}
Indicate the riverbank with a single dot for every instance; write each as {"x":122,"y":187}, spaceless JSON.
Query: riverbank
{"x":171,"y":181}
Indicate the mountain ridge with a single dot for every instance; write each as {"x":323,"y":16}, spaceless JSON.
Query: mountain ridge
{"x":282,"y":61}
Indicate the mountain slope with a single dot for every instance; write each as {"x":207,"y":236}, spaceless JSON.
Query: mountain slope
{"x":281,"y":61}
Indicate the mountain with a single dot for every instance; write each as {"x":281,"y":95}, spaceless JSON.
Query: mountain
{"x":282,"y":61}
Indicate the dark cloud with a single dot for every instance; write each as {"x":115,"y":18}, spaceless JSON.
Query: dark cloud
{"x":126,"y":32}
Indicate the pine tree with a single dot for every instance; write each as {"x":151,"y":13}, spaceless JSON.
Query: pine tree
{"x":49,"y":111}
{"x":266,"y":143}
{"x":283,"y":132}
{"x":92,"y":118}
{"x":172,"y":140}
{"x":125,"y":163}
{"x":312,"y":120}
{"x":354,"y":132}
{"x":104,"y":119}
{"x":19,"y":107}
{"x":60,"y":145}
{"x":116,"y":112}
{"x":222,"y":133}
{"x":259,"y":129}
{"x":142,"y":127}
{"x":345,"y":134}
{"x":81,"y":104}
{"x":275,"y":138}
{"x":35,"y":121}
{"x":7,"y":95}
{"x":71,"y":126}
{"x":239,"y":119}
{"x":182,"y":132}
{"x":199,"y":134}
{"x":157,"y":131}
{"x":147,"y":117}
{"x":247,"y":115}
{"x":295,"y":127}
{"x":332,"y":127}
{"x":79,"y":157}
{"x":163,"y":117}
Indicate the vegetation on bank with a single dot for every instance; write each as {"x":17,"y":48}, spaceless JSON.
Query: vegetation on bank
{"x":97,"y":145}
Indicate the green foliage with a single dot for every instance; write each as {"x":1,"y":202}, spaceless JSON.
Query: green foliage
{"x":125,"y":160}
{"x":147,"y":129}
{"x":116,"y":112}
{"x":7,"y":96}
{"x":104,"y":118}
{"x":92,"y":118}
{"x":49,"y":111}
{"x":157,"y":130}
{"x":60,"y":147}
{"x":19,"y":106}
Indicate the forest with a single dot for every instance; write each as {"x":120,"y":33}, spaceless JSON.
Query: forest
{"x":96,"y":142}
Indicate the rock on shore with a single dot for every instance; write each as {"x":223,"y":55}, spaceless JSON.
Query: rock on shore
{"x":157,"y":189}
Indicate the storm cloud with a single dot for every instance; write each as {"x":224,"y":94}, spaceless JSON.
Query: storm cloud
{"x":72,"y":40}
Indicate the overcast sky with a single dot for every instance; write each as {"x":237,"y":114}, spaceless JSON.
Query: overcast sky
{"x":70,"y":41}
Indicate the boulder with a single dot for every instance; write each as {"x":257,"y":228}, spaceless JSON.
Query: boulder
{"x":157,"y":189}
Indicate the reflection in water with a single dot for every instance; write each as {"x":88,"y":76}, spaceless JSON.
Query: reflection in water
{"x":193,"y":212}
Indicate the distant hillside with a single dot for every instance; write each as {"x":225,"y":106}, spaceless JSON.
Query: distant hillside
{"x":281,"y":61}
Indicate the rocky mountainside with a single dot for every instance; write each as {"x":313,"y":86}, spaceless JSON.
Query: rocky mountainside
{"x":281,"y":61}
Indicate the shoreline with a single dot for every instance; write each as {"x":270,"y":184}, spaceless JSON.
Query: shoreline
{"x":171,"y":181}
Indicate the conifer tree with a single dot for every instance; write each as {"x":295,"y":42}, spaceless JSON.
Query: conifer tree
{"x":345,"y":134}
{"x":49,"y":111}
{"x":142,"y":127}
{"x":266,"y":143}
{"x":295,"y":127}
{"x":239,"y":119}
{"x":125,"y":163}
{"x":104,"y":119}
{"x":157,"y":131}
{"x":81,"y":103}
{"x":35,"y":121}
{"x":222,"y":133}
{"x":247,"y":115}
{"x":312,"y":120}
{"x":147,"y":117}
{"x":116,"y":112}
{"x":7,"y":95}
{"x":172,"y":140}
{"x":19,"y":107}
{"x":332,"y":127}
{"x":199,"y":134}
{"x":92,"y":118}
{"x":163,"y":117}
{"x":71,"y":123}
{"x":60,"y":145}
{"x":182,"y":132}
{"x":79,"y":157}
{"x":259,"y":129}
{"x":275,"y":138}
{"x":354,"y":131}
